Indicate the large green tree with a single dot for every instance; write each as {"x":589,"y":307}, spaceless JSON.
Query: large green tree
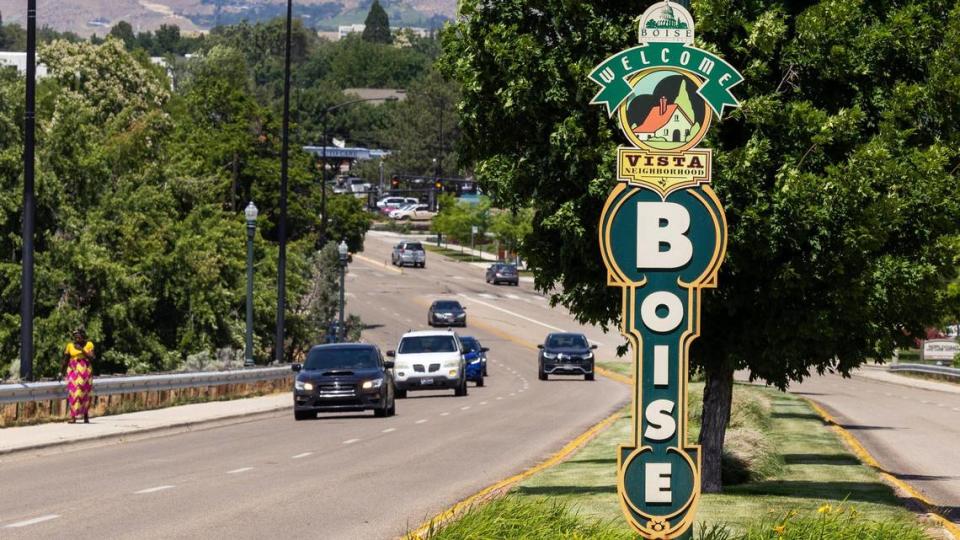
{"x":377,"y":25}
{"x":837,"y":173}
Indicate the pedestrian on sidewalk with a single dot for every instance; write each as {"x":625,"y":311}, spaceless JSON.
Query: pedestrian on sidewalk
{"x":78,"y":368}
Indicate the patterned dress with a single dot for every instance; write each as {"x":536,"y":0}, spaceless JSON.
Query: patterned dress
{"x":79,"y":380}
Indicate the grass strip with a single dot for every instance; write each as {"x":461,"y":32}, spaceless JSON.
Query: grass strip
{"x":803,"y":483}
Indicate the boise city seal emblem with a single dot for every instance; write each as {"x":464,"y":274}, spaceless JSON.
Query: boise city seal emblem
{"x":663,"y":236}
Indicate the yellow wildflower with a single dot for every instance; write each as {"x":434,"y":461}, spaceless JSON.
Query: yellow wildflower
{"x":825,"y":509}
{"x":779,"y":529}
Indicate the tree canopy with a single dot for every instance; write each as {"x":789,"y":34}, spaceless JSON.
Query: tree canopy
{"x":834,"y":172}
{"x":377,"y":25}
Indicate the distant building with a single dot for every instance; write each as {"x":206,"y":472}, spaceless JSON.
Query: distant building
{"x":347,"y":29}
{"x":377,"y":93}
{"x":18,"y":60}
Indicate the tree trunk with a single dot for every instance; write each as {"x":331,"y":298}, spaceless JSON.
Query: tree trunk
{"x":236,"y":179}
{"x":717,"y":395}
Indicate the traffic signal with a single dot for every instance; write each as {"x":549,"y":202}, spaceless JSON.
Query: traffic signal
{"x":438,"y":185}
{"x":395,"y":182}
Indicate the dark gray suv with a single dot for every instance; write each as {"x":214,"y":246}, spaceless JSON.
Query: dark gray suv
{"x":566,"y":354}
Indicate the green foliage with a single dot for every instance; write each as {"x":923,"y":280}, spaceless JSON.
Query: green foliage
{"x":124,"y":32}
{"x":348,"y":220}
{"x":456,"y":219}
{"x":377,"y":25}
{"x":512,"y":227}
{"x":832,"y":174}
{"x":140,"y":191}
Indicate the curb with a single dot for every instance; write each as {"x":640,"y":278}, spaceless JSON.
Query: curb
{"x":864,"y":455}
{"x":179,"y":427}
{"x":498,"y":488}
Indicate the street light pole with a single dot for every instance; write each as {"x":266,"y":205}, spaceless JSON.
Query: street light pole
{"x":29,"y":202}
{"x":282,"y":226}
{"x":342,"y":249}
{"x":251,"y":214}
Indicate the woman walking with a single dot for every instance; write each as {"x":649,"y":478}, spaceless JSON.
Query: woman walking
{"x":78,"y":366}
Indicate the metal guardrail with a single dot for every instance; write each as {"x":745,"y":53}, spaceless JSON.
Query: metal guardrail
{"x":927,"y":368}
{"x":43,"y":391}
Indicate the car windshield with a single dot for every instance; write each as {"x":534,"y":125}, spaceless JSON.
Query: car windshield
{"x":427,"y":344}
{"x":507,"y":269}
{"x":447,"y":306}
{"x":563,"y":341}
{"x":470,"y":344}
{"x":342,"y":358}
{"x":415,"y":246}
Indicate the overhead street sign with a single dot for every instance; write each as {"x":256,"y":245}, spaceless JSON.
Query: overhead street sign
{"x":663,"y":237}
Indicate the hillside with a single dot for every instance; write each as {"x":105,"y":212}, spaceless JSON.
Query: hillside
{"x":86,"y":17}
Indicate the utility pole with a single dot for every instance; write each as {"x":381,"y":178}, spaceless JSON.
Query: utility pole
{"x":29,"y":202}
{"x":282,"y":226}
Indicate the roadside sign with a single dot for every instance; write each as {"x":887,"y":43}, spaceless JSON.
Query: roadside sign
{"x":474,"y":230}
{"x":663,"y":236}
{"x":940,"y":349}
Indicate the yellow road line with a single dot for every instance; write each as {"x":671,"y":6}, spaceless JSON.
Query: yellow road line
{"x":495,"y":489}
{"x":378,"y":264}
{"x":864,"y":455}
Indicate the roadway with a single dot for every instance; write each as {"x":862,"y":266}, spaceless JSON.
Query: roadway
{"x":914,"y":433}
{"x":343,"y":475}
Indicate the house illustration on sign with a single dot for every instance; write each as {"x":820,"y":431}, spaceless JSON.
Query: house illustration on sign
{"x":666,"y":122}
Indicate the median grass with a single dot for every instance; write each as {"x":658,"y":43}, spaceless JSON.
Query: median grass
{"x":788,"y":474}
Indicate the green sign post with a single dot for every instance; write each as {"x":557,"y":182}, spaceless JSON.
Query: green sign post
{"x":663,"y":236}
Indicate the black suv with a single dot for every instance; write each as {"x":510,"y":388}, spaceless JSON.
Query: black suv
{"x":446,"y":313}
{"x":343,"y":378}
{"x":566,"y":354}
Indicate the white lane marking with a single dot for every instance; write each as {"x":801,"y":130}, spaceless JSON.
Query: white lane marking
{"x":389,"y":430}
{"x":382,"y":308}
{"x":303,"y":455}
{"x":240,"y":470}
{"x":350,"y":295}
{"x":444,"y":414}
{"x":487,"y":295}
{"x":152,"y":490}
{"x":925,"y":402}
{"x":421,"y":421}
{"x":459,"y":277}
{"x":512,"y":394}
{"x":464,"y":408}
{"x":350,"y":441}
{"x":499,"y":398}
{"x":33,"y":521}
{"x":955,"y":409}
{"x":513,"y":297}
{"x":483,"y":402}
{"x":395,"y":314}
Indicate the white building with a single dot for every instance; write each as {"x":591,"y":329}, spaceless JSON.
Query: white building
{"x":344,"y":30}
{"x":19,"y":61}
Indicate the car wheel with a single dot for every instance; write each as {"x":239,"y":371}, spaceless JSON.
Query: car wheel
{"x":485,"y":370}
{"x":304,"y":415}
{"x":461,"y":390}
{"x":542,"y":375}
{"x":480,"y":381}
{"x":392,"y":411}
{"x":588,"y":377}
{"x":380,"y":412}
{"x":401,"y":394}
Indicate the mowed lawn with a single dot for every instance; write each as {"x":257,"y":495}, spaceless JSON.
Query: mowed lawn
{"x":814,"y":469}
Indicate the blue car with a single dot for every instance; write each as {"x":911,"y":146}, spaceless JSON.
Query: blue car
{"x":475,"y":359}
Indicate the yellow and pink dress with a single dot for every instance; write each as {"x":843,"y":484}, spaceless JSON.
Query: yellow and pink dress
{"x":79,"y":380}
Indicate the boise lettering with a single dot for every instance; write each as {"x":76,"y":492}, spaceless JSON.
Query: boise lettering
{"x":663,"y":236}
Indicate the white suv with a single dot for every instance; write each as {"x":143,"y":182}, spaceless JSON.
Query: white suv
{"x":429,"y":360}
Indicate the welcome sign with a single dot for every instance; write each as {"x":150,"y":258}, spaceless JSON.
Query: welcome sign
{"x":663,"y":236}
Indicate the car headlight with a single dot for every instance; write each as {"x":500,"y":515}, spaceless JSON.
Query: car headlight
{"x":549,"y":355}
{"x":461,"y":315}
{"x":588,"y":356}
{"x":453,"y":373}
{"x":375,"y":383}
{"x":451,"y":364}
{"x":300,"y":385}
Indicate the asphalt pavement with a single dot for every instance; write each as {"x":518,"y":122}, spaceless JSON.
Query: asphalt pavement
{"x":912,"y":429}
{"x":343,"y":475}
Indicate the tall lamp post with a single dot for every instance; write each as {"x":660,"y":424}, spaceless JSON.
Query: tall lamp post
{"x":342,"y":249}
{"x":282,"y":225}
{"x":323,"y":192}
{"x":250,"y":213}
{"x":29,"y":202}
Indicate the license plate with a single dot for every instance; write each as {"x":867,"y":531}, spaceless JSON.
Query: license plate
{"x":568,"y":366}
{"x":426,"y":382}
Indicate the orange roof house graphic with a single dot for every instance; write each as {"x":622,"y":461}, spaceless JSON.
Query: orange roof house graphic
{"x":665,"y":122}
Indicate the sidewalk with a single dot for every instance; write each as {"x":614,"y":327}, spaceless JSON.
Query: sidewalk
{"x":18,"y":439}
{"x":880,"y":373}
